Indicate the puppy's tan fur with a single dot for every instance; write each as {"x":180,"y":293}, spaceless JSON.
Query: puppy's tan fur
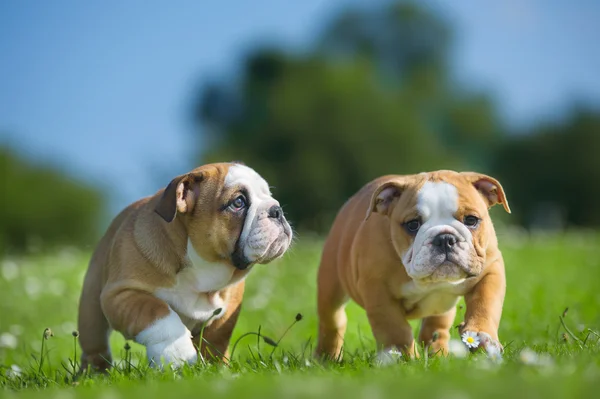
{"x":144,"y":249}
{"x":361,"y":261}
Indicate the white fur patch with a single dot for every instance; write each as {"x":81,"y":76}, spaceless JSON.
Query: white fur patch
{"x":437,"y":203}
{"x":194,"y":293}
{"x":260,"y":198}
{"x":430,"y":299}
{"x":168,"y":341}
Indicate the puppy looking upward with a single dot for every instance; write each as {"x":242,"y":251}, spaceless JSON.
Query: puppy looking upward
{"x":169,"y":261}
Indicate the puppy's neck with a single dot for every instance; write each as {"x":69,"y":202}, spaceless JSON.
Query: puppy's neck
{"x":212,"y":276}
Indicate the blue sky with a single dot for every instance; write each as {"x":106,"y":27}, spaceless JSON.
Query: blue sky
{"x":103,"y":89}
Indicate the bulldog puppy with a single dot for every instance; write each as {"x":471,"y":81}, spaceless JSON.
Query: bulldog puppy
{"x":407,"y":247}
{"x":170,"y":261}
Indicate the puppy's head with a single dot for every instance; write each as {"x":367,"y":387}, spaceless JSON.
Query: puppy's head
{"x":439,"y":222}
{"x":229,"y":214}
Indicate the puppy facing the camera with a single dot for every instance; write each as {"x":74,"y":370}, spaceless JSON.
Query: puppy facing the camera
{"x":407,"y":247}
{"x":170,"y":261}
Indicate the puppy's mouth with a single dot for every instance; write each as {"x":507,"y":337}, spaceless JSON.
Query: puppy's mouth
{"x":454,"y":261}
{"x":447,"y":270}
{"x":238,"y":259}
{"x":273,"y":250}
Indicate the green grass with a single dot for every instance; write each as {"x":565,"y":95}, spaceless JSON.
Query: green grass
{"x":545,"y":275}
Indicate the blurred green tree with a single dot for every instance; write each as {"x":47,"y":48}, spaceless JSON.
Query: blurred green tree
{"x":42,"y":207}
{"x":375,"y":96}
{"x":553,"y":172}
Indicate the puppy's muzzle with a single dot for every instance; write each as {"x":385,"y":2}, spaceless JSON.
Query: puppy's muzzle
{"x":446,"y":243}
{"x":274,"y":249}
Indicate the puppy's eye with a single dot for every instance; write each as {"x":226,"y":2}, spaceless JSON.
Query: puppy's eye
{"x":471,"y":221}
{"x":413,"y":225}
{"x":238,"y":203}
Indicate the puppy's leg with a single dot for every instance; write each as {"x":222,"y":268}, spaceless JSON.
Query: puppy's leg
{"x":331,"y":304}
{"x":218,"y":333}
{"x":151,"y":322}
{"x":93,"y":327}
{"x":441,"y":325}
{"x":388,"y":322}
{"x":484,"y":308}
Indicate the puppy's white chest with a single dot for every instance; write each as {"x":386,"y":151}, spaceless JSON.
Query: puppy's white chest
{"x":419,"y":302}
{"x":195,"y":293}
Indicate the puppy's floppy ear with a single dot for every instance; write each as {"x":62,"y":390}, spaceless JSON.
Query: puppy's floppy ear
{"x":179,"y":196}
{"x":384,"y":196}
{"x":489,"y":188}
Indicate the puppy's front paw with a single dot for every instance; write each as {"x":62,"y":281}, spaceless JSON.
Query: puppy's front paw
{"x":174,"y":353}
{"x":476,"y":340}
{"x":168,"y":341}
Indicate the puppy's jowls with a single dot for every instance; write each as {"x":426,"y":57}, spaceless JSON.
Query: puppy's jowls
{"x":407,"y":247}
{"x":168,"y":262}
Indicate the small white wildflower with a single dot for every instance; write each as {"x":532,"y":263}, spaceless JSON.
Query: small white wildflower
{"x":388,"y":357}
{"x":471,"y":339}
{"x":528,"y":357}
{"x":10,"y":270}
{"x":7,"y":340}
{"x":14,"y":371}
{"x":457,"y":348}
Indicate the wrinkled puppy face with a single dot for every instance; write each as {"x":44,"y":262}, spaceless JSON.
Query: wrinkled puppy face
{"x":440,"y":223}
{"x":265,"y":234}
{"x":230,"y":214}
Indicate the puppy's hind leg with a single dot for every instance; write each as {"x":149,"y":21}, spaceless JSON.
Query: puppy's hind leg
{"x":331,"y":304}
{"x":94,"y":330}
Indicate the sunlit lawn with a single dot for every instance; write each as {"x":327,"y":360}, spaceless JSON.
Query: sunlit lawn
{"x":546,"y":274}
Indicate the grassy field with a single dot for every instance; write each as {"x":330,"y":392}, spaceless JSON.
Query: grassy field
{"x":546,"y":274}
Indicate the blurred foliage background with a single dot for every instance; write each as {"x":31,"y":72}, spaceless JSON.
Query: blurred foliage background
{"x":41,"y":206}
{"x":375,"y":93}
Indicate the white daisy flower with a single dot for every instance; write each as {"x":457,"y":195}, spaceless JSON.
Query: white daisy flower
{"x":471,"y":339}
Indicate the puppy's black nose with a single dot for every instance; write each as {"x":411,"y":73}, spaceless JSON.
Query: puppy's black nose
{"x":444,"y":241}
{"x":275,"y":212}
